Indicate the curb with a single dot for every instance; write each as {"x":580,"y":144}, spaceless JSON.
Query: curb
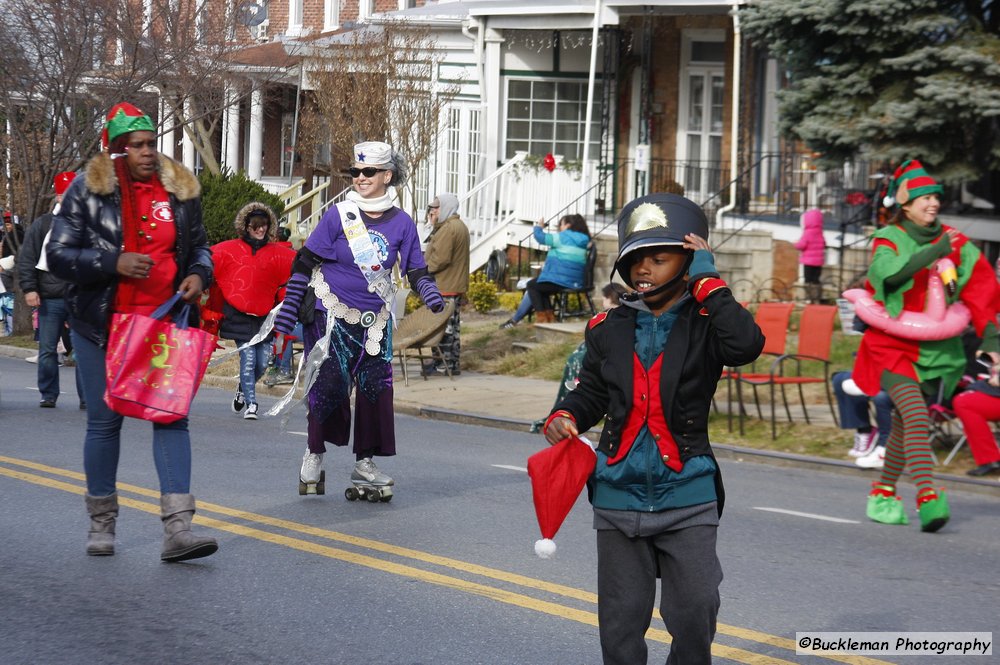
{"x":722,"y":450}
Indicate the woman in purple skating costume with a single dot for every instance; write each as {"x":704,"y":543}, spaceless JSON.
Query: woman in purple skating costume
{"x":346,"y":264}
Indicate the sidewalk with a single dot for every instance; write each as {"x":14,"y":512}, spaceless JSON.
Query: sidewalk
{"x":513,"y":403}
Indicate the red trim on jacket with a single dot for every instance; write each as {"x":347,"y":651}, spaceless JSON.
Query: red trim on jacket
{"x":707,"y":286}
{"x":557,"y":414}
{"x":647,"y":409}
{"x":597,"y":319}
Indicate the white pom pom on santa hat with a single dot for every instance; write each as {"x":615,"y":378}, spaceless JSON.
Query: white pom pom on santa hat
{"x":889,"y":201}
{"x":545,"y":548}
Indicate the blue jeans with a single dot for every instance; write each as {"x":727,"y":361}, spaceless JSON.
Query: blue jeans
{"x":52,"y":317}
{"x":523,"y":309}
{"x":284,"y":363}
{"x":171,"y":442}
{"x":253,"y":364}
{"x":854,"y":408}
{"x":7,"y":313}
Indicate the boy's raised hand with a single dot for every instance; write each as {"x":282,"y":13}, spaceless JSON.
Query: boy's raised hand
{"x":695,"y":242}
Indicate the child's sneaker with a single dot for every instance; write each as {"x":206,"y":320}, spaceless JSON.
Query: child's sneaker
{"x":933,"y":509}
{"x":271,"y":376}
{"x":283,"y":378}
{"x":238,"y":401}
{"x":884,"y":506}
{"x":873,"y":460}
{"x":251,"y":412}
{"x":863,"y":443}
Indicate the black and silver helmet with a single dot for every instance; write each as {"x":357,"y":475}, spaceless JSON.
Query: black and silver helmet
{"x":656,"y":220}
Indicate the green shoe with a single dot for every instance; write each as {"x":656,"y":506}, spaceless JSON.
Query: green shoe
{"x":885,"y":507}
{"x":933,"y":508}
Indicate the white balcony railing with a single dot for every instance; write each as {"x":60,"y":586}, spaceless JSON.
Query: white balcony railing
{"x":495,"y":209}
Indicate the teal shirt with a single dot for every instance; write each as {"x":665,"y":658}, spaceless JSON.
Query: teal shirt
{"x":642,"y":482}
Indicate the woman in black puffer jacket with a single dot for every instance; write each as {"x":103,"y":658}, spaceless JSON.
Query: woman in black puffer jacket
{"x":128,"y":236}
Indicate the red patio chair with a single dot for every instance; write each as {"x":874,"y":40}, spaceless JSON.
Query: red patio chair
{"x":772,"y":318}
{"x":815,"y":340}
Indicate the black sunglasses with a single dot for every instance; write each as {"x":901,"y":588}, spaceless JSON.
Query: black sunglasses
{"x":368,"y":171}
{"x":429,"y":208}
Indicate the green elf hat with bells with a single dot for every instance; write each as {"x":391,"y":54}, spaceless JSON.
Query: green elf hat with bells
{"x":122,"y":119}
{"x":656,"y":220}
{"x":909,"y":182}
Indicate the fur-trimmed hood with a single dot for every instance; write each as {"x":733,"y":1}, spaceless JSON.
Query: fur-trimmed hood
{"x":176,"y":179}
{"x":241,"y":225}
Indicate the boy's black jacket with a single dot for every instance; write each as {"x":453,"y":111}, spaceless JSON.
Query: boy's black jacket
{"x":704,"y":339}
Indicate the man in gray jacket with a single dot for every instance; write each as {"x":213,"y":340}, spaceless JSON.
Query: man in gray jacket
{"x":447,"y":257}
{"x":46,"y":292}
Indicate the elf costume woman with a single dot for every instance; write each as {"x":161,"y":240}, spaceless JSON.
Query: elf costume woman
{"x":907,"y":257}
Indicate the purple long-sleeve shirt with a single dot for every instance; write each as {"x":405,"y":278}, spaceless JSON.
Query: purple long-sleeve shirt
{"x":394,"y":235}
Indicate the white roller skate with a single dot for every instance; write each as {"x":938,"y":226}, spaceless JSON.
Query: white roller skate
{"x":312,"y":478}
{"x":369,"y":483}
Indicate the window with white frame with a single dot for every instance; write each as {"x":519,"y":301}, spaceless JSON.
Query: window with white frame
{"x":294,"y":18}
{"x":231,"y":10}
{"x":364,"y":9}
{"x":462,"y":150}
{"x":549,"y":116}
{"x":331,"y":15}
{"x":201,"y":21}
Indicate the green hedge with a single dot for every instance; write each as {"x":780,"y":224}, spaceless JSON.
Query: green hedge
{"x":223,"y":195}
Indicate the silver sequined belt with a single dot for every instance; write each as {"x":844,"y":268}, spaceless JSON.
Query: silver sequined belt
{"x":375,"y":322}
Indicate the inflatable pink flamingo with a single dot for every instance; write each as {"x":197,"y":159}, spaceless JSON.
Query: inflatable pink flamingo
{"x":939,"y":320}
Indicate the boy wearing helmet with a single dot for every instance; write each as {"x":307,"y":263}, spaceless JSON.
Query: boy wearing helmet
{"x":657,"y":491}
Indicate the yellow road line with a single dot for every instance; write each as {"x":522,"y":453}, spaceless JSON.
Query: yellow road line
{"x":520,"y":600}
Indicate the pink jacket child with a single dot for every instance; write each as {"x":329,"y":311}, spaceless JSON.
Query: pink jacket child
{"x":811,"y":245}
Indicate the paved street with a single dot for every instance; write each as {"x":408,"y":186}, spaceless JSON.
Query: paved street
{"x":443,"y":574}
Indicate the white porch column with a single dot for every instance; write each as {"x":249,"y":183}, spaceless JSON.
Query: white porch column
{"x":168,"y":122}
{"x":492,"y":150}
{"x":187,"y":145}
{"x":255,"y":151}
{"x":231,"y":131}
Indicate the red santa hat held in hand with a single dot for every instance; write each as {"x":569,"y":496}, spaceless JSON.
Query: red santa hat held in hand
{"x":558,"y":475}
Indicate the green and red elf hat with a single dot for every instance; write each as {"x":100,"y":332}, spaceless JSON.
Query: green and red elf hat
{"x":909,"y":182}
{"x":122,"y":119}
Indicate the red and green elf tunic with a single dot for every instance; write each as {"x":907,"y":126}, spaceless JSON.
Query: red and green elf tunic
{"x":894,"y":248}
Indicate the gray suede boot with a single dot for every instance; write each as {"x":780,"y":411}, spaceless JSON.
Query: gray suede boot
{"x":179,"y":544}
{"x":103,"y":511}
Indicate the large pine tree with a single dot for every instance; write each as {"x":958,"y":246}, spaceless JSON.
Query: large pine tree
{"x":888,"y":80}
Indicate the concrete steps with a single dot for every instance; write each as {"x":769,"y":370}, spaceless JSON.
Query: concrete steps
{"x":567,"y":331}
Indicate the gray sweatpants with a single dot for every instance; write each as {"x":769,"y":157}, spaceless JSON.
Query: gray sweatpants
{"x":686,"y":562}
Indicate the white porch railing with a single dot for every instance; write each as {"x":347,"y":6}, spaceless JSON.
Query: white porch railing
{"x":495,"y":210}
{"x":303,"y":225}
{"x":278,"y":186}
